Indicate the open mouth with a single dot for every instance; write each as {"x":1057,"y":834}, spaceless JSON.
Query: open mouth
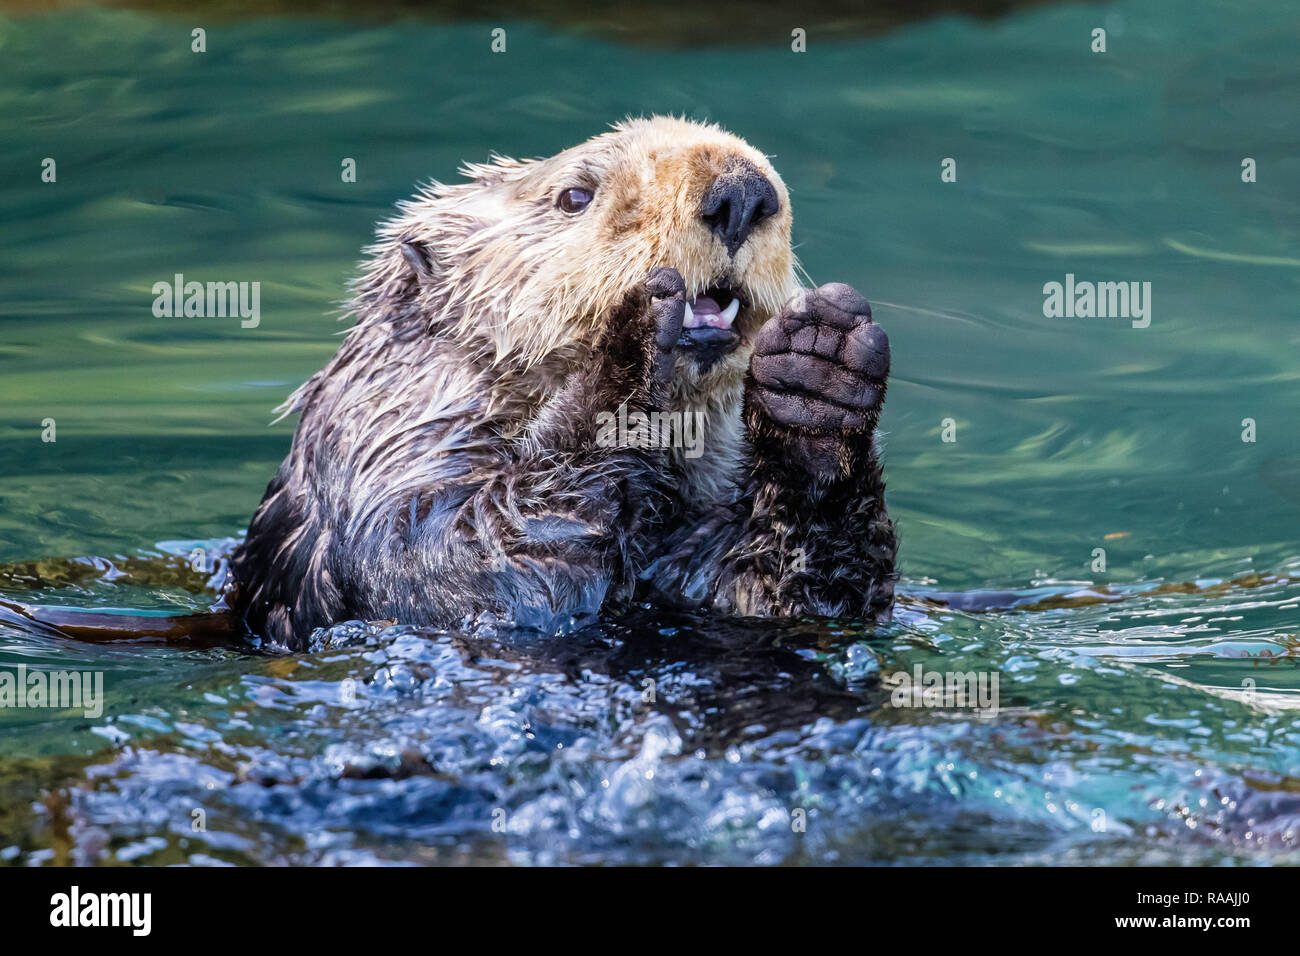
{"x":715,"y":308}
{"x":708,"y":328}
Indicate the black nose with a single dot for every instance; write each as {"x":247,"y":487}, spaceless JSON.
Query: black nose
{"x":738,"y":200}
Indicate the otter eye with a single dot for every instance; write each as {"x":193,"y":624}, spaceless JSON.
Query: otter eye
{"x":574,"y":200}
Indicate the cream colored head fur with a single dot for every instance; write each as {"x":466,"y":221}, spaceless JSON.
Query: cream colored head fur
{"x":519,"y":288}
{"x":521,"y":281}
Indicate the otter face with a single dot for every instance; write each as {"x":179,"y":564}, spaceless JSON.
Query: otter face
{"x":665,"y":192}
{"x":530,"y":257}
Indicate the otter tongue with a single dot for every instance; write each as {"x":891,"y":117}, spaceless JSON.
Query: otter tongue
{"x":704,"y":311}
{"x":705,"y":305}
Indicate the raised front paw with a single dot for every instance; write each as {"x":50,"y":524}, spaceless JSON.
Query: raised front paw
{"x":821,"y":364}
{"x":818,"y":374}
{"x":667,"y":310}
{"x":634,"y":359}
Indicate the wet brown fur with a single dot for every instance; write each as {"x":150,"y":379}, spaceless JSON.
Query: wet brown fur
{"x":443,"y":466}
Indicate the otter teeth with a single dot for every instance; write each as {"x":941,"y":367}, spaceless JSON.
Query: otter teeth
{"x":707,"y":314}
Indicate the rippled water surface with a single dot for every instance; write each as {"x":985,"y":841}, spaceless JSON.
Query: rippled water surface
{"x":1147,"y":712}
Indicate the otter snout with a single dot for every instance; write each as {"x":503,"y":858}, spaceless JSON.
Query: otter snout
{"x":737,"y":201}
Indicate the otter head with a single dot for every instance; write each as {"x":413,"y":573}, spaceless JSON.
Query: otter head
{"x":529,"y":258}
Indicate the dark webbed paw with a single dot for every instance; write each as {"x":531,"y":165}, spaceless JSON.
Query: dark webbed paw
{"x":818,"y":376}
{"x":637,"y":345}
{"x":667,"y":292}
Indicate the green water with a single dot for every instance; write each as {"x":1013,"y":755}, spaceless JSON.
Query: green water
{"x":1173,"y":714}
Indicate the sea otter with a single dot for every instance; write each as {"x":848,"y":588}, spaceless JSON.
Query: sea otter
{"x":449,"y":462}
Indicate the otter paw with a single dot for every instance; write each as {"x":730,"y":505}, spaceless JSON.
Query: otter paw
{"x":667,"y":291}
{"x":634,"y":356}
{"x":821,"y":364}
{"x":817,"y":378}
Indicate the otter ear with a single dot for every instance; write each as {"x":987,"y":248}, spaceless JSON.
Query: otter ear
{"x":417,"y":256}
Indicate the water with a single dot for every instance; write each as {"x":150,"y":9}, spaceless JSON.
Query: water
{"x":1158,"y":727}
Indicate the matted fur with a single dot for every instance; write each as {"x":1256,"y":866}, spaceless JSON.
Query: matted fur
{"x":444,"y":464}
